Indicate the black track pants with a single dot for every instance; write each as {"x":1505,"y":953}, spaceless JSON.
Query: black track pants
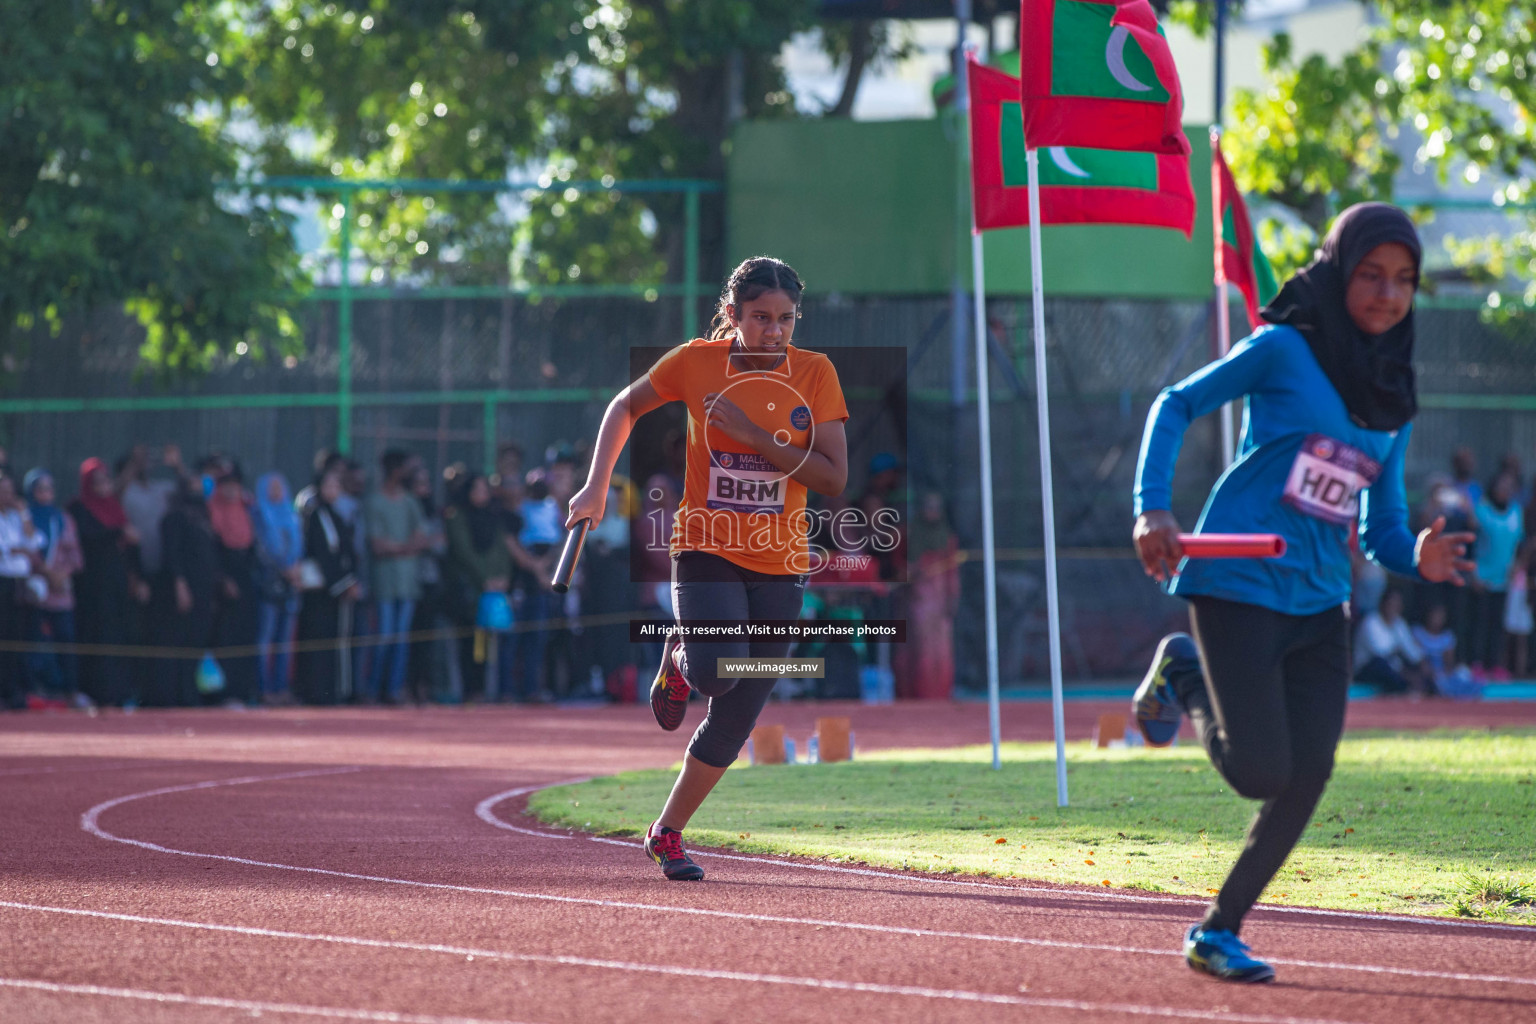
{"x":706,"y":586}
{"x":1270,"y":715}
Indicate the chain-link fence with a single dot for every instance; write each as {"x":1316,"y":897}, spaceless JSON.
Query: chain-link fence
{"x":450,"y":379}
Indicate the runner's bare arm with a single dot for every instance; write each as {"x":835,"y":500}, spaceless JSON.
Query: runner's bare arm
{"x":826,"y":469}
{"x":627,"y":407}
{"x":823,"y":467}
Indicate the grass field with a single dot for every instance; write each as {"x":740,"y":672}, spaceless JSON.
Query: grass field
{"x":1424,"y":822}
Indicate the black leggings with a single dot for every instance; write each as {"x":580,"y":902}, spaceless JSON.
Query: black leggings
{"x":1270,"y":715}
{"x":1487,"y":628}
{"x":13,"y":666}
{"x":706,"y":586}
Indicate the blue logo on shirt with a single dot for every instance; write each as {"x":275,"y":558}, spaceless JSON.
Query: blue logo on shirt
{"x":800,"y":419}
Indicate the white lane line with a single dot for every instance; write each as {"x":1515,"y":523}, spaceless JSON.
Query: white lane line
{"x":89,"y":822}
{"x":89,"y":818}
{"x":253,"y":1007}
{"x":827,"y":984}
{"x":438,"y":948}
{"x":484,"y":812}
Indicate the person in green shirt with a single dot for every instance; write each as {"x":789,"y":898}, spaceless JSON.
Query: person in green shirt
{"x":479,"y":561}
{"x":395,"y":539}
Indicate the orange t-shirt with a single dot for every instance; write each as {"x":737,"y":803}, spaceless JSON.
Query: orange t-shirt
{"x":736,"y":503}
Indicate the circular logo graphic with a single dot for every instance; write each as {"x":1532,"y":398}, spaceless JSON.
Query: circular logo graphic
{"x":1323,"y":448}
{"x":725,"y":460}
{"x":800,"y":419}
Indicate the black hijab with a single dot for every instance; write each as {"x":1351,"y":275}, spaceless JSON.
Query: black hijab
{"x":1372,"y":373}
{"x":482,"y":521}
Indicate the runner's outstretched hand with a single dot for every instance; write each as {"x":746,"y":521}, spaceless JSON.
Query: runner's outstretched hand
{"x":1157,"y":542}
{"x":1443,"y":556}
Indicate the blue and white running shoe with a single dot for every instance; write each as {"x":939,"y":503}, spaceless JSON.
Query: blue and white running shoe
{"x":1221,"y":954}
{"x":1156,"y":705}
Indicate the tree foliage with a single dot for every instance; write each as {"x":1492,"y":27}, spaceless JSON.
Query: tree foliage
{"x":124,"y":123}
{"x":482,"y":89}
{"x":1458,"y":78}
{"x":1316,"y":140}
{"x":1466,"y":78}
{"x":111,"y":155}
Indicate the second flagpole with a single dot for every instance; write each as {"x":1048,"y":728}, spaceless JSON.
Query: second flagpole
{"x":988,"y":535}
{"x":1047,"y":492}
{"x":1223,"y":309}
{"x":984,"y":430}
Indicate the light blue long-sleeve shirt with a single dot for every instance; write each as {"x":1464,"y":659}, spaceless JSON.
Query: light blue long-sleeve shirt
{"x":1301,"y":460}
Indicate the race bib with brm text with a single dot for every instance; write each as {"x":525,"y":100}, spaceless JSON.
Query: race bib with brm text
{"x":1327,"y":477}
{"x":745,"y":482}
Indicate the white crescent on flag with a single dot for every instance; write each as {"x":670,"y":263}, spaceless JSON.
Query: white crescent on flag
{"x":1114,"y":58}
{"x":1062,"y":159}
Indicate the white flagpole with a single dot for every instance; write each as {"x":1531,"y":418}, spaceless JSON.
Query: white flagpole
{"x":984,"y":426}
{"x":988,"y":534}
{"x":1047,"y":495}
{"x":1223,"y":308}
{"x":1223,"y":346}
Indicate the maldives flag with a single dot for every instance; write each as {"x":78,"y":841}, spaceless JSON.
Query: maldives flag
{"x":1077,"y":185}
{"x":1099,"y":73}
{"x":1239,"y":259}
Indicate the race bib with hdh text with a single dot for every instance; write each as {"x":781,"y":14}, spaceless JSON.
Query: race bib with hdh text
{"x":1327,"y":477}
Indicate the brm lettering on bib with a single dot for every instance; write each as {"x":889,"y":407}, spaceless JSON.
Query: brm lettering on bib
{"x":1327,"y":478}
{"x":745,"y":482}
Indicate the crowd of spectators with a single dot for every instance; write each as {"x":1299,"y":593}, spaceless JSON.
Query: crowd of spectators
{"x":1441,"y":639}
{"x":161,"y":582}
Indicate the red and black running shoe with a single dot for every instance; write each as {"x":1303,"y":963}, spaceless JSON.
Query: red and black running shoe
{"x":665,"y":846}
{"x":669,"y":691}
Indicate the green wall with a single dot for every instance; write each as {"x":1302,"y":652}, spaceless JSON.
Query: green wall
{"x":870,"y":208}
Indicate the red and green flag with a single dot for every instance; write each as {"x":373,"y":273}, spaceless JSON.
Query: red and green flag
{"x":1078,"y":185}
{"x":1239,"y":260}
{"x":1098,"y":73}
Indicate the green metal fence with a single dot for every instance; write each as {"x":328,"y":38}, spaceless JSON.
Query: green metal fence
{"x":690,"y":292}
{"x":345,"y":398}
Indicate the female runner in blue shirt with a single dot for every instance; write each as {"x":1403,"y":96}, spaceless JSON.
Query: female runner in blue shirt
{"x":1329,"y":395}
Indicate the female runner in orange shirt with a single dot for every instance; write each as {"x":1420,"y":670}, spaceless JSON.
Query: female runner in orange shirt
{"x":765,"y":425}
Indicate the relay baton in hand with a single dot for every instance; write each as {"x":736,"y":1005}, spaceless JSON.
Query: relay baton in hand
{"x":1232,"y":545}
{"x":572,"y":551}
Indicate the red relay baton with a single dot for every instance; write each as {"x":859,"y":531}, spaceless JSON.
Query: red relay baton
{"x":1232,"y":545}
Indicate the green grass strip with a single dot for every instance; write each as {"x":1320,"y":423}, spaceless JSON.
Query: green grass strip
{"x":1435,"y":823}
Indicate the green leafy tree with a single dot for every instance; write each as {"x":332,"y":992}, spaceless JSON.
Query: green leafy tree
{"x":864,"y":44}
{"x":125,"y":123}
{"x":482,"y":89}
{"x":111,"y":154}
{"x":1314,"y":141}
{"x":1462,"y":77}
{"x":410,"y":89}
{"x":1466,"y":78}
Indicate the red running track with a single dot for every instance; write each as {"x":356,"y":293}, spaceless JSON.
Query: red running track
{"x":374,"y":865}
